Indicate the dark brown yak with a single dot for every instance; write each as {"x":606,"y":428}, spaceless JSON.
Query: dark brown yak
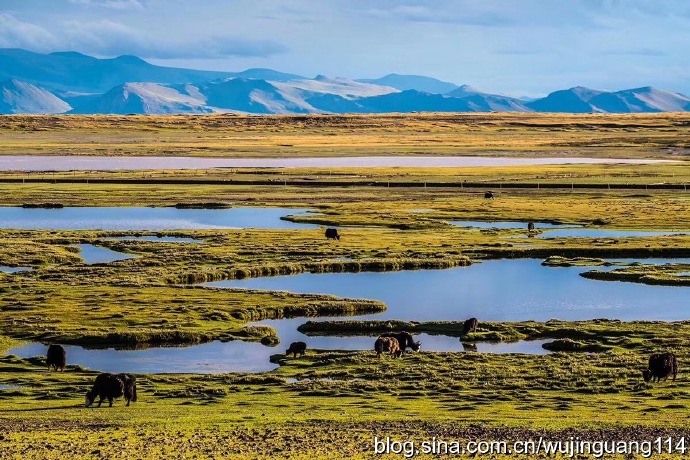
{"x":405,"y":340}
{"x":470,"y":326}
{"x":530,"y":227}
{"x":661,"y":365}
{"x":387,"y":344}
{"x":489,"y":196}
{"x":110,"y":386}
{"x":332,"y":234}
{"x":296,"y":348}
{"x":56,"y":358}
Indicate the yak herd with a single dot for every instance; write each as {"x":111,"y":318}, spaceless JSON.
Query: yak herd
{"x":110,"y":386}
{"x":107,"y":386}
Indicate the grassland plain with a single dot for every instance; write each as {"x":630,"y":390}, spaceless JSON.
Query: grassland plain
{"x":331,"y":403}
{"x":622,"y":136}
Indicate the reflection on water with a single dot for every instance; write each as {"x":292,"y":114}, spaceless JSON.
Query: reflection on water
{"x":153,"y":219}
{"x":96,"y":255}
{"x":208,"y":358}
{"x":606,"y":233}
{"x":15,"y":269}
{"x":504,"y":225}
{"x":496,"y":290}
{"x":237,"y":356}
{"x":110,"y":163}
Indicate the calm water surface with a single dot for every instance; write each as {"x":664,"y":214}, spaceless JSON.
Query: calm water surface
{"x":153,"y":219}
{"x":501,"y":290}
{"x":97,"y":255}
{"x":110,"y":163}
{"x":497,"y":290}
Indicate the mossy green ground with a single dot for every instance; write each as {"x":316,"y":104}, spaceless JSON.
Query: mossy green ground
{"x":330,"y":404}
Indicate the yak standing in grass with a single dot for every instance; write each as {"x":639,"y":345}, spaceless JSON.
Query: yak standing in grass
{"x":56,"y":358}
{"x":661,"y":365}
{"x":296,"y":348}
{"x":405,"y":340}
{"x":389,"y":345}
{"x":489,"y":196}
{"x":110,"y":386}
{"x":470,"y":326}
{"x":332,"y":234}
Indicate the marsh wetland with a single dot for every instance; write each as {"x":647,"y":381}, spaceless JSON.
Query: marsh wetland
{"x":198,"y":289}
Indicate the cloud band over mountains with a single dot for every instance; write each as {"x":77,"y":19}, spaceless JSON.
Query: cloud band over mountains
{"x":106,"y":37}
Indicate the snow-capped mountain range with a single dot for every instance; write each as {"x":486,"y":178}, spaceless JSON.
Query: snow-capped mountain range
{"x":70,"y":82}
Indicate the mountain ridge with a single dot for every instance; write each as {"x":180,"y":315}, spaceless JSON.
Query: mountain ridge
{"x":71,"y":82}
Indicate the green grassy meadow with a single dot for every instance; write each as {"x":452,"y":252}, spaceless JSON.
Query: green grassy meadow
{"x":331,"y":403}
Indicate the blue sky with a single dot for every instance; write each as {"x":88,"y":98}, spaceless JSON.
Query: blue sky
{"x":517,"y":47}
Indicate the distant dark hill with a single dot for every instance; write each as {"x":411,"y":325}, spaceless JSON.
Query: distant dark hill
{"x":21,"y":97}
{"x":479,"y":101}
{"x":415,"y":82}
{"x":573,"y":100}
{"x":70,"y":71}
{"x":413,"y":101}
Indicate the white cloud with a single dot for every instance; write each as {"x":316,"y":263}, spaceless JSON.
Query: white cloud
{"x":18,"y":34}
{"x":113,"y":4}
{"x":111,"y":38}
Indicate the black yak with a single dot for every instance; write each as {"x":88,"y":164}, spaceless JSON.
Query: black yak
{"x":530,"y":227}
{"x":489,"y":196}
{"x":332,"y":234}
{"x":661,"y":365}
{"x":296,"y":348}
{"x":405,"y":340}
{"x":387,"y":344}
{"x":470,"y":326}
{"x":56,"y":358}
{"x":110,"y":386}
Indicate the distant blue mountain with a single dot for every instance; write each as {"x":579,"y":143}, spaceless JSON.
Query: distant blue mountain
{"x":413,"y":101}
{"x":573,"y":100}
{"x":70,"y":71}
{"x":75,"y":83}
{"x":415,"y":82}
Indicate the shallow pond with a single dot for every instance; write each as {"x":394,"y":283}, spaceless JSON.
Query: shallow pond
{"x":504,"y":225}
{"x":606,"y":233}
{"x":15,"y":269}
{"x":110,"y":163}
{"x":500,"y":290}
{"x":146,"y":218}
{"x":97,"y":255}
{"x":496,"y":290}
{"x":220,"y":357}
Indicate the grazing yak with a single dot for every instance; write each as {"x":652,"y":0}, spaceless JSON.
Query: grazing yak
{"x":296,"y":348}
{"x":470,"y":326}
{"x":661,"y":365}
{"x":110,"y":386}
{"x":405,"y":340}
{"x":530,"y":227}
{"x":332,"y":234}
{"x":489,"y":196}
{"x":56,"y":358}
{"x":387,"y":344}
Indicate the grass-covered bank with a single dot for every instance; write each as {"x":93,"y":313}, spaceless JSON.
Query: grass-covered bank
{"x":661,"y":275}
{"x":128,"y":316}
{"x":593,"y":335}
